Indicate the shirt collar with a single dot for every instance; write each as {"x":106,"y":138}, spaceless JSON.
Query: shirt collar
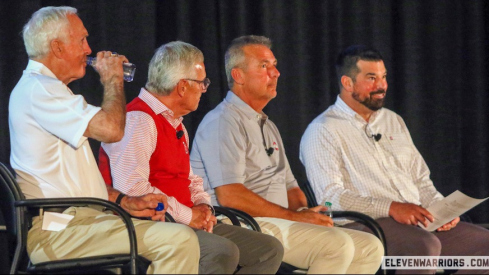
{"x":353,"y":116}
{"x":38,"y":67}
{"x":245,"y":108}
{"x":157,"y":106}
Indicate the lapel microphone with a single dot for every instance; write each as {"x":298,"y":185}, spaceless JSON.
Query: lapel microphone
{"x":179,"y":134}
{"x":269,"y":151}
{"x":377,"y":137}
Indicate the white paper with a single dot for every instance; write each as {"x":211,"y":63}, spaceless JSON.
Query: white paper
{"x":53,"y":221}
{"x":449,"y":208}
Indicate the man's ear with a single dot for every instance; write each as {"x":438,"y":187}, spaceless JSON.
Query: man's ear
{"x":56,"y":48}
{"x":347,"y":83}
{"x":237,"y":75}
{"x":181,"y":87}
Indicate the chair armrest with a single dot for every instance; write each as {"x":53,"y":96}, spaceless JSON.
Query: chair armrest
{"x":365,"y":220}
{"x":84,"y":201}
{"x":237,"y":216}
{"x":246,"y":218}
{"x":230,"y":215}
{"x":169,"y":218}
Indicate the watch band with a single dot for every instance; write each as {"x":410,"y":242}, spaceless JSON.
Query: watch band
{"x":119,"y":198}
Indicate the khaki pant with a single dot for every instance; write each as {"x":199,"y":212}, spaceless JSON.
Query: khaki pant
{"x":325,"y":250}
{"x":172,"y":248}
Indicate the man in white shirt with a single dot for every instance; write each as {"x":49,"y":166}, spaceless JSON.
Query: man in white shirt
{"x":239,"y":153}
{"x":49,"y":131}
{"x":360,"y":156}
{"x":153,"y":157}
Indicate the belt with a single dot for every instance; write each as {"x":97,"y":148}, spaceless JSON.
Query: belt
{"x":35,"y":212}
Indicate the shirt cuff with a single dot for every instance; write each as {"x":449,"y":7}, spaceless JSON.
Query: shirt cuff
{"x":383,"y":208}
{"x":184,"y":215}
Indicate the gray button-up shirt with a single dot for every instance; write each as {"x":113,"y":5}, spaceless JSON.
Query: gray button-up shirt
{"x":231,"y":146}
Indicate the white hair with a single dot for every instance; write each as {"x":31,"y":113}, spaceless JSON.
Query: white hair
{"x":46,"y":24}
{"x":170,"y":63}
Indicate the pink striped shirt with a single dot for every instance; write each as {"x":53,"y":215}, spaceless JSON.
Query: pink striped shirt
{"x":129,"y":158}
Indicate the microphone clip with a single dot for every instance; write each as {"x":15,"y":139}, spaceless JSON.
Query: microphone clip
{"x":376,"y":137}
{"x":179,"y":134}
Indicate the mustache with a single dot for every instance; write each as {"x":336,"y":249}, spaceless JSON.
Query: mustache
{"x":380,"y":91}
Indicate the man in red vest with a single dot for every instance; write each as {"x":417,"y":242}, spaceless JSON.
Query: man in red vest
{"x":153,"y":157}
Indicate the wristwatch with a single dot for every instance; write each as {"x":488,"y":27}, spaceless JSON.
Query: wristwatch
{"x":119,"y":198}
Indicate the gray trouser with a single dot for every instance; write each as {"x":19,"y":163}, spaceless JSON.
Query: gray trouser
{"x":230,"y":246}
{"x":465,"y":239}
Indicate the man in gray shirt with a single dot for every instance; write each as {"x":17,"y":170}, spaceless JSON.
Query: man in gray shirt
{"x":239,"y":153}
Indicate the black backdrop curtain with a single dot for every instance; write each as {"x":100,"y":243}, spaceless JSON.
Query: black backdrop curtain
{"x":436,"y":53}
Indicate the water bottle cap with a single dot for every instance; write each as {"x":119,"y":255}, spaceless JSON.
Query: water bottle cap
{"x":160,"y":206}
{"x":328,"y":204}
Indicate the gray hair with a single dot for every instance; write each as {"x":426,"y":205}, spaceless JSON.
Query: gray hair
{"x":170,"y":63}
{"x":46,"y":24}
{"x":235,"y":57}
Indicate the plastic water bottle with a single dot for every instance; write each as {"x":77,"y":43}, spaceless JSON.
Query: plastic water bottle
{"x":329,"y":211}
{"x":129,"y":68}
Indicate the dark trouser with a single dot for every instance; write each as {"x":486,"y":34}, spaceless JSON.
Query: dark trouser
{"x":228,"y":246}
{"x":465,"y":239}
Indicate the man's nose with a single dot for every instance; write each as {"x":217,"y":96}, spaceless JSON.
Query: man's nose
{"x":274,"y":72}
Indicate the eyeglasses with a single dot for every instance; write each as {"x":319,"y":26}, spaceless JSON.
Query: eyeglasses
{"x":204,"y":84}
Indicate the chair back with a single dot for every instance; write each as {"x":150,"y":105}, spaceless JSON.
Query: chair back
{"x":15,"y":219}
{"x":311,"y":198}
{"x":18,"y":221}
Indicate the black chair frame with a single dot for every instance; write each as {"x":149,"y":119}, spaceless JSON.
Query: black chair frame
{"x":350,"y":215}
{"x":237,"y":216}
{"x":18,"y":221}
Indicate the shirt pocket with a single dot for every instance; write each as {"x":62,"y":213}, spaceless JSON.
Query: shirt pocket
{"x":399,"y":150}
{"x":257,"y":158}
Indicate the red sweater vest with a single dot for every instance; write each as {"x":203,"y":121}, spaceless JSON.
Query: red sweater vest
{"x":170,"y":162}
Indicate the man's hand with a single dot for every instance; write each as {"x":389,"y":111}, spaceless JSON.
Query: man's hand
{"x":144,"y":206}
{"x":318,"y":209}
{"x":313,"y":216}
{"x":449,"y":225}
{"x":408,"y":213}
{"x":202,"y":218}
{"x":109,"y":67}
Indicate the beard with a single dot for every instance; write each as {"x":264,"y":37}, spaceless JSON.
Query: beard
{"x":373,"y":104}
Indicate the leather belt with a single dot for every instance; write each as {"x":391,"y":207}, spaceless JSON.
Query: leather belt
{"x":34,"y":212}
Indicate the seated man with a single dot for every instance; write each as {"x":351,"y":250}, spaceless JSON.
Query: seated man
{"x":49,"y":127}
{"x":360,"y":156}
{"x":240,"y":154}
{"x":153,"y":157}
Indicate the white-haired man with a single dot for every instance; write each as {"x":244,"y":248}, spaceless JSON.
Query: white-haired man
{"x":49,"y":128}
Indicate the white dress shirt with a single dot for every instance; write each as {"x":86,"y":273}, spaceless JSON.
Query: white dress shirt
{"x":346,"y":166}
